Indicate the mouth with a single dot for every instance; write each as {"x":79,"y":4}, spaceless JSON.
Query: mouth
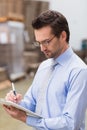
{"x":47,"y":53}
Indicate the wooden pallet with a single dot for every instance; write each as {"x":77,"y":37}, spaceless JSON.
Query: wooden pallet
{"x":15,"y":17}
{"x":3,"y":19}
{"x":12,"y":17}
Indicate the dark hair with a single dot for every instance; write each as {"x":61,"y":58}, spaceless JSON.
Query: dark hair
{"x":55,"y":20}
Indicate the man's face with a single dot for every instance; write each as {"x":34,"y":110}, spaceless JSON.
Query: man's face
{"x":51,"y":45}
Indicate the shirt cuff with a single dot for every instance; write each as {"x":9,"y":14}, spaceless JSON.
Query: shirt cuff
{"x":36,"y":122}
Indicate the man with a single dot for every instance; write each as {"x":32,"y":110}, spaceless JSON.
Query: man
{"x":59,"y":90}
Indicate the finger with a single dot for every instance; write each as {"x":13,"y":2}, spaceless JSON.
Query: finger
{"x":11,"y":97}
{"x":19,"y":97}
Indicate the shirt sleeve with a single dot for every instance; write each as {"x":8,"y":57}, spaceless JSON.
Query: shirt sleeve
{"x":49,"y":123}
{"x":74,"y":110}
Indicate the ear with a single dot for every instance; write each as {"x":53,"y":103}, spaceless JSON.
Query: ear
{"x":63,"y":35}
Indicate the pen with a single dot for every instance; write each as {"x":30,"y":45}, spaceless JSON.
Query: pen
{"x":13,"y":88}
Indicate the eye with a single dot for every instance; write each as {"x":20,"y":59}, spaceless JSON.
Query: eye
{"x":45,"y":42}
{"x":48,"y":41}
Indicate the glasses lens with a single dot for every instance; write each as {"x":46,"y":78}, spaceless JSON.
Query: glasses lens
{"x":36,"y":44}
{"x":45,"y":42}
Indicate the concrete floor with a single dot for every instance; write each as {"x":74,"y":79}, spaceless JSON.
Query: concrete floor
{"x":8,"y":123}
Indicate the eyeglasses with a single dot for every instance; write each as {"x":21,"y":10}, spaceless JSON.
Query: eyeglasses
{"x":44,"y":43}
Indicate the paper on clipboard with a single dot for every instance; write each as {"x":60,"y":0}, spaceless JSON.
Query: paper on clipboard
{"x":10,"y":103}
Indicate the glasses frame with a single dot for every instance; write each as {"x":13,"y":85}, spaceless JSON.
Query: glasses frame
{"x":44,"y":43}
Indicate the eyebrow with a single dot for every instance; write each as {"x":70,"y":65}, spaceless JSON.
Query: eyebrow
{"x":43,"y":40}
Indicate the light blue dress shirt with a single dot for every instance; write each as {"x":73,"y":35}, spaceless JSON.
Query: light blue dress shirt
{"x":66,"y":94}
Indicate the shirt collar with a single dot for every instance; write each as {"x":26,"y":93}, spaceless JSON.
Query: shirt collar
{"x":65,"y":57}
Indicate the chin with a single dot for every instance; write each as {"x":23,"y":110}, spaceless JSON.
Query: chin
{"x":48,"y":57}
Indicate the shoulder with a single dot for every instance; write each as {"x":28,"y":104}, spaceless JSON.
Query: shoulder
{"x":78,"y":73}
{"x":78,"y":61}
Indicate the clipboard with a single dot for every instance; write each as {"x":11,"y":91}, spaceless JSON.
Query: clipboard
{"x":10,"y":103}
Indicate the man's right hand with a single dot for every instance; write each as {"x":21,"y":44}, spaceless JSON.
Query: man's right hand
{"x":14,"y":98}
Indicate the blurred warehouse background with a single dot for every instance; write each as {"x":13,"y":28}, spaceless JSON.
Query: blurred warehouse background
{"x":18,"y":56}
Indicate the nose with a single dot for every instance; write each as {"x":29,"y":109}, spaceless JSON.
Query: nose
{"x":42,"y":47}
